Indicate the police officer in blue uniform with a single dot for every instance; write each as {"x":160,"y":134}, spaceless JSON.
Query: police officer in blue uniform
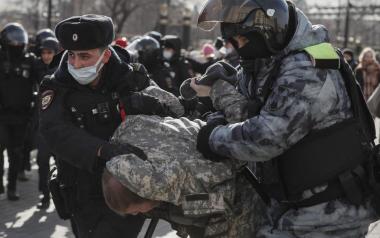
{"x":82,"y":104}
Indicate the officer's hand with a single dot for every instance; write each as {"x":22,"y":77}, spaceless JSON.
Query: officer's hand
{"x":203,"y":138}
{"x":110,"y":150}
{"x":140,"y":103}
{"x":201,"y":90}
{"x":189,"y":105}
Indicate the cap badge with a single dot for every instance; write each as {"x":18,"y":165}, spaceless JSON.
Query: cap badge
{"x":270,"y":12}
{"x":75,"y":37}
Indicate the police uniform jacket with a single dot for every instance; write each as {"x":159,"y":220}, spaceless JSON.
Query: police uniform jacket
{"x":77,"y":120}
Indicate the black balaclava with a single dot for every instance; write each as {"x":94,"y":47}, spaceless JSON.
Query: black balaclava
{"x":15,"y":53}
{"x":255,"y":47}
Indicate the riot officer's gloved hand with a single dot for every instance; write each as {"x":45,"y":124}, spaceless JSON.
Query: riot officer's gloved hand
{"x":140,"y":103}
{"x":110,"y":150}
{"x":201,"y":87}
{"x":188,"y":105}
{"x":203,"y":140}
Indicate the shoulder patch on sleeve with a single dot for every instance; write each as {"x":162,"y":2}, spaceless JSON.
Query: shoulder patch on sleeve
{"x":46,"y":99}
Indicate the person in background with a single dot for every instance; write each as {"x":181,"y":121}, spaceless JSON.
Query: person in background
{"x":17,"y":78}
{"x":229,"y":53}
{"x":368,"y":72}
{"x":208,"y":53}
{"x":48,"y":48}
{"x":122,"y":42}
{"x":180,"y":69}
{"x":350,"y":57}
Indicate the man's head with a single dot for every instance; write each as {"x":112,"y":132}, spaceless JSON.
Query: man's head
{"x":121,"y":200}
{"x":48,"y":48}
{"x":148,"y":50}
{"x":87,"y":39}
{"x":41,"y":36}
{"x":256,"y":28}
{"x":348,"y":54}
{"x":14,"y":39}
{"x":172,"y":46}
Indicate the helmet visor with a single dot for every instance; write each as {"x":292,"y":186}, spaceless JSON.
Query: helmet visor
{"x":133,"y":47}
{"x":234,"y":11}
{"x":16,"y":38}
{"x":143,"y":44}
{"x":227,"y":11}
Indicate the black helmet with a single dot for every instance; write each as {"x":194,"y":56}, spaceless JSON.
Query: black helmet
{"x":14,"y":34}
{"x":155,"y":34}
{"x":50,"y":43}
{"x":147,"y":49}
{"x":269,"y":19}
{"x":43,"y":34}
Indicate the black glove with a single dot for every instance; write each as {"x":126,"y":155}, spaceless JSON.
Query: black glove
{"x":203,"y":138}
{"x":189,"y":105}
{"x":220,"y":70}
{"x":110,"y":150}
{"x":140,"y":103}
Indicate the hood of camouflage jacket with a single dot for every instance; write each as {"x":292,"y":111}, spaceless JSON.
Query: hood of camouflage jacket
{"x":305,"y":35}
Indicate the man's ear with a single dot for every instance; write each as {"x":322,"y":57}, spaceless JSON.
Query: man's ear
{"x":107,"y":56}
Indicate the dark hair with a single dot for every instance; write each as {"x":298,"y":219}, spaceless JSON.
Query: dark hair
{"x":117,"y":196}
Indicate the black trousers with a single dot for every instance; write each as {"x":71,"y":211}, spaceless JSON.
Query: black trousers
{"x":96,"y":220}
{"x":43,"y":161}
{"x":12,"y":138}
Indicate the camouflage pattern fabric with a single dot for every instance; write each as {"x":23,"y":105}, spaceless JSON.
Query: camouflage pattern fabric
{"x":176,"y":172}
{"x":303,"y":99}
{"x":227,"y":99}
{"x":168,"y":98}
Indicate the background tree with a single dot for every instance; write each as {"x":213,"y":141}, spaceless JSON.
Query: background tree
{"x":121,"y":10}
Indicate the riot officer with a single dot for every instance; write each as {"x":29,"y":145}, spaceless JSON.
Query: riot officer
{"x":307,"y":131}
{"x":82,"y":104}
{"x":48,"y":48}
{"x":149,"y":54}
{"x":155,"y":35}
{"x":17,"y":77}
{"x":41,"y":35}
{"x":180,"y":69}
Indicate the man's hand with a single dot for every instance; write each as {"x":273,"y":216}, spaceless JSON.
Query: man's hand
{"x":110,"y":150}
{"x":201,"y":90}
{"x":217,"y":71}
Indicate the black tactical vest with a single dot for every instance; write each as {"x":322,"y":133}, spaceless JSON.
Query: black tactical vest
{"x":16,"y":86}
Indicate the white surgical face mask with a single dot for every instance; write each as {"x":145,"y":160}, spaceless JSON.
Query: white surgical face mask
{"x":87,"y":74}
{"x":229,"y":51}
{"x":167,"y":54}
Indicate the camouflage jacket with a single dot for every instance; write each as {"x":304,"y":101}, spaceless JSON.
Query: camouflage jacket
{"x":303,"y":99}
{"x":176,"y":173}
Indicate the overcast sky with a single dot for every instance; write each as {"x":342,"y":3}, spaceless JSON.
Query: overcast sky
{"x":4,"y":3}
